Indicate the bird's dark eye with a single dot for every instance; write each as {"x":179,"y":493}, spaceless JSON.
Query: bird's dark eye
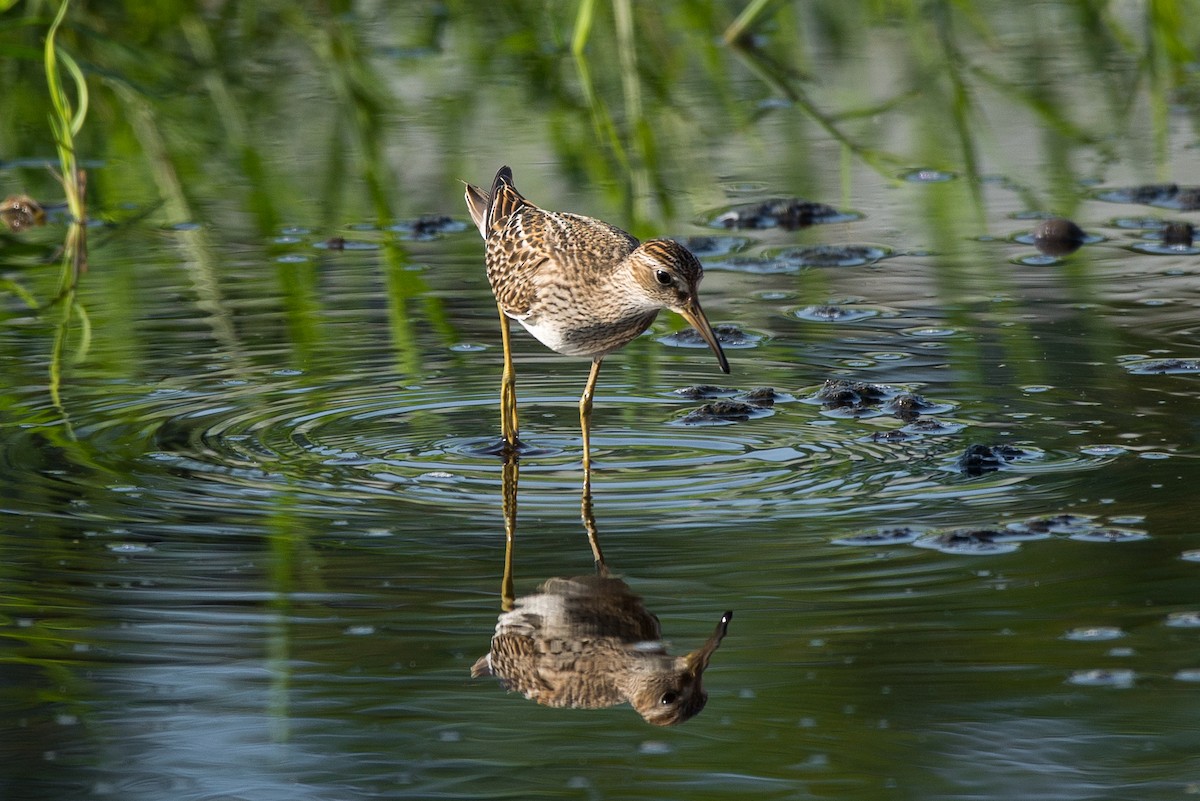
{"x":663,"y":277}
{"x":668,"y":698}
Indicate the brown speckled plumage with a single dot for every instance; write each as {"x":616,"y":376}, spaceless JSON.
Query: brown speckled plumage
{"x":588,"y":642}
{"x":582,"y":287}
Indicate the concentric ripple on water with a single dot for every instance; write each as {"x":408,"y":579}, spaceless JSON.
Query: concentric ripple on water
{"x":375,"y":437}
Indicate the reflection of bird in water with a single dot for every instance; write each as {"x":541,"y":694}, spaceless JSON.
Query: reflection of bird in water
{"x":580,"y":285}
{"x":588,"y":642}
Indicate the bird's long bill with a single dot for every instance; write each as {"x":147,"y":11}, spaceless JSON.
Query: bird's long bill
{"x":695,"y":316}
{"x":697,"y":661}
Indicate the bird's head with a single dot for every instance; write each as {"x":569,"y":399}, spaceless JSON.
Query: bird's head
{"x":669,"y":276}
{"x":672,"y":695}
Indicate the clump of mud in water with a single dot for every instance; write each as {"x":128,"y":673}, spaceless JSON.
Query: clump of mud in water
{"x":980,"y":459}
{"x":788,"y":213}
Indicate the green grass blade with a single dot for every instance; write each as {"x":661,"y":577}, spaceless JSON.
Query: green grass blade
{"x":583,"y":26}
{"x":62,"y":108}
{"x":749,"y":17}
{"x":81,"y":91}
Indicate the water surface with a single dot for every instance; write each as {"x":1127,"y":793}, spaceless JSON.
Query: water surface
{"x":257,"y":548}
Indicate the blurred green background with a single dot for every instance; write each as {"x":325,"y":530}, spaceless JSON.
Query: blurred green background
{"x":249,"y":543}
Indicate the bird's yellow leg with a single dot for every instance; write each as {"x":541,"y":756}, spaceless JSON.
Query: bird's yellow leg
{"x":508,"y":389}
{"x":510,"y":477}
{"x":589,"y":525}
{"x":585,"y":420}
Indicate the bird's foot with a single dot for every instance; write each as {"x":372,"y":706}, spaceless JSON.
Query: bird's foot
{"x":507,"y":448}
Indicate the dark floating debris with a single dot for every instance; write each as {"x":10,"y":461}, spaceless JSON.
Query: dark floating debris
{"x":838,"y":393}
{"x":858,"y":398}
{"x":840,"y":397}
{"x":703,"y":392}
{"x":20,"y":212}
{"x":710,"y":246}
{"x":972,"y":541}
{"x":891,"y":437}
{"x":341,"y":243}
{"x":1056,"y":524}
{"x":984,"y":535}
{"x":429,"y":226}
{"x":828,"y":312}
{"x":764,"y":396}
{"x":1163,"y":366}
{"x":999,"y":539}
{"x":789,"y":213}
{"x":723,"y":411}
{"x":980,"y":459}
{"x":916,"y":429}
{"x":1178,"y":233}
{"x":901,"y":535}
{"x":924,"y":426}
{"x":730,"y":336}
{"x":754,"y":403}
{"x":1167,"y":196}
{"x":760,"y":398}
{"x":1110,"y":535}
{"x":908,"y":407}
{"x":1058,"y":237}
{"x":1075,"y":527}
{"x":834,"y":255}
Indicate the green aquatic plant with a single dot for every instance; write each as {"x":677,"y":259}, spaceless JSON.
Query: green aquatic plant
{"x":583,"y":27}
{"x":751,"y":16}
{"x":65,"y":124}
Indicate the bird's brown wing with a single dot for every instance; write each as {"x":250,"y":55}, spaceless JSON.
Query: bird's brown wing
{"x":482,"y":667}
{"x":486,"y":214}
{"x":532,"y":238}
{"x":504,"y":200}
{"x":514,"y":659}
{"x":477,"y":204}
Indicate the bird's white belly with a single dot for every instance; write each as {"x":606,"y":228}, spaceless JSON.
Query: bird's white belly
{"x":554,"y":335}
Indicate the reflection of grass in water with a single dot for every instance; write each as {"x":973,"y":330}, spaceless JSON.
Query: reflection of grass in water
{"x":65,"y":124}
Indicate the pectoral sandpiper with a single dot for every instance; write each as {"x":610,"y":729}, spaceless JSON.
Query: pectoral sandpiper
{"x":588,"y":642}
{"x":581,"y":286}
